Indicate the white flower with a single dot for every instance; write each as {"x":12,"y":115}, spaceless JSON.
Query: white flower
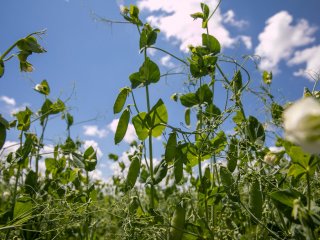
{"x":302,"y":124}
{"x":270,"y":158}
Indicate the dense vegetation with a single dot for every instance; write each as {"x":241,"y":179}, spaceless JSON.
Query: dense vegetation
{"x":210,"y":184}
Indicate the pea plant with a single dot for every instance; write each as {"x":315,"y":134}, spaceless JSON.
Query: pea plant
{"x":37,"y":204}
{"x":237,"y":187}
{"x":248,"y":183}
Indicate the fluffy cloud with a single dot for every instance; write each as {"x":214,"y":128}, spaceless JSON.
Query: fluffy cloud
{"x":11,"y":106}
{"x":173,"y":18}
{"x":280,"y":38}
{"x":131,"y":133}
{"x":95,"y":145}
{"x":229,"y":17}
{"x":166,"y":62}
{"x":309,"y":56}
{"x":94,"y":131}
{"x":8,"y":100}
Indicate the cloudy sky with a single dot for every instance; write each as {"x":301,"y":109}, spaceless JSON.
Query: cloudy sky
{"x":89,"y":60}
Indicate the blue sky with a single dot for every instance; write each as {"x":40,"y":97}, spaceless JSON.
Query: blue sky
{"x":89,"y":60}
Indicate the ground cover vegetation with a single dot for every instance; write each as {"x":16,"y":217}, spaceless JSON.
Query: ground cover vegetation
{"x":210,"y":183}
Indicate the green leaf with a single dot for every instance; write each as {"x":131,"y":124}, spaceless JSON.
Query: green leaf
{"x":276,"y":113}
{"x":204,"y":94}
{"x":255,"y":131}
{"x":90,"y":159}
{"x":171,"y":147}
{"x":22,"y":209}
{"x":197,"y":15}
{"x":140,"y":125}
{"x":187,"y":116}
{"x":1,"y":68}
{"x":31,"y":183}
{"x":135,"y":80}
{"x":121,"y":99}
{"x":23,"y":118}
{"x":211,"y":43}
{"x":189,"y":100}
{"x":205,"y":10}
{"x":226,"y":177}
{"x":267,"y":77}
{"x":149,"y":72}
{"x":255,"y":199}
{"x":77,"y":160}
{"x":219,"y":142}
{"x":133,"y":172}
{"x":237,"y":82}
{"x":43,"y":88}
{"x":3,"y":134}
{"x":158,"y":116}
{"x":122,"y":126}
{"x":3,"y":126}
{"x":134,"y":11}
{"x":287,"y":196}
{"x":148,"y":36}
{"x":57,"y":107}
{"x":30,"y":44}
{"x":51,"y":165}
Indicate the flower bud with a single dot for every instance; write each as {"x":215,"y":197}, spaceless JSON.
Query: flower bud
{"x":302,"y":124}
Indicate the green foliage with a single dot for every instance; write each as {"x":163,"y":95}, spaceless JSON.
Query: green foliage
{"x":228,"y":184}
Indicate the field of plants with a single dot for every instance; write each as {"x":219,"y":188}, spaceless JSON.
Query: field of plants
{"x":210,"y":183}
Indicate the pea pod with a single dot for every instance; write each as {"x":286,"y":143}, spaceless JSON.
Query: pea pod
{"x":255,"y":199}
{"x":177,"y":223}
{"x":161,"y":172}
{"x":133,"y":172}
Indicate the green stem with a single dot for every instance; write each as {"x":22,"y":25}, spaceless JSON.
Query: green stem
{"x":309,"y":191}
{"x":14,"y":197}
{"x":40,"y":143}
{"x":150,"y":150}
{"x":150,"y":141}
{"x":179,"y":59}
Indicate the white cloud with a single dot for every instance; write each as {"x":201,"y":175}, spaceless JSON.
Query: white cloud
{"x":95,"y":145}
{"x":175,"y":22}
{"x":131,"y":133}
{"x":166,"y":62}
{"x":309,"y":56}
{"x":8,"y":100}
{"x":97,"y":175}
{"x":246,"y":41}
{"x":8,"y":147}
{"x":47,"y":151}
{"x":280,"y":38}
{"x":229,"y":17}
{"x":94,"y":131}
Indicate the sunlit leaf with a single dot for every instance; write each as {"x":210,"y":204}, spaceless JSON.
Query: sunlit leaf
{"x":211,"y":43}
{"x":141,"y":126}
{"x":189,"y":100}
